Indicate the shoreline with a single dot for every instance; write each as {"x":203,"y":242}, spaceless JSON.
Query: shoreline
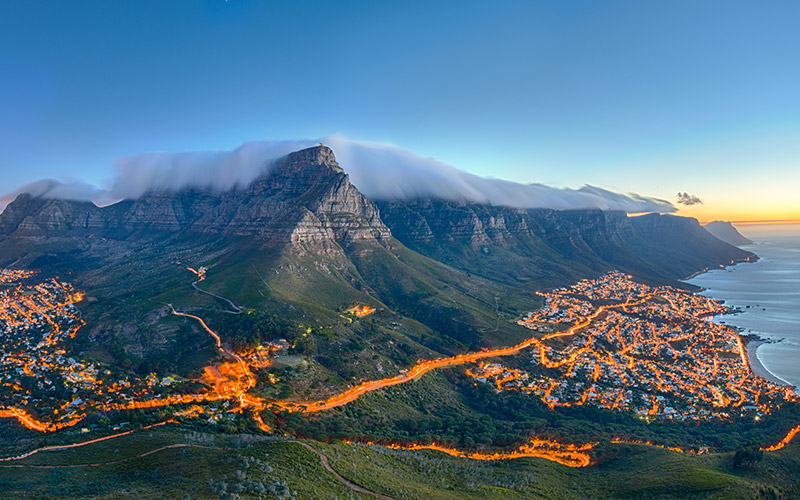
{"x":752,"y":344}
{"x":757,"y":367}
{"x":734,"y":263}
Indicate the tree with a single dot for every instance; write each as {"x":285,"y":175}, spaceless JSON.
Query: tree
{"x":748,"y":455}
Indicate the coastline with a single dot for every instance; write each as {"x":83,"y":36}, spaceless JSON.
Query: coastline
{"x":751,"y":342}
{"x":757,"y":367}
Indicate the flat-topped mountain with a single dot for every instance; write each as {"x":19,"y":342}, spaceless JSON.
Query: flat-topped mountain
{"x":306,"y":198}
{"x":354,"y":290}
{"x":303,"y":242}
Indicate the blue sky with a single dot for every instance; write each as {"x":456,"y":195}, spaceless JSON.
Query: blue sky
{"x":651,"y":97}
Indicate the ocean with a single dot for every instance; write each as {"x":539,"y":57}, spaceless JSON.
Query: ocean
{"x":768,"y":292}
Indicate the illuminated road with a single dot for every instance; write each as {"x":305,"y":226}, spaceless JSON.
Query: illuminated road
{"x":31,"y":423}
{"x":424,"y":367}
{"x":76,"y":445}
{"x":244,"y":400}
{"x":235,"y":378}
{"x":785,"y":441}
{"x":571,"y":455}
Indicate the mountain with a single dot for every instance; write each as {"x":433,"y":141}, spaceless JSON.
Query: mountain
{"x":305,"y":197}
{"x":542,"y":248}
{"x":726,"y":232}
{"x":301,"y":245}
{"x":301,"y":242}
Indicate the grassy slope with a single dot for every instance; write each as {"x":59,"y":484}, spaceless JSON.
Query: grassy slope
{"x":633,"y":472}
{"x":423,"y":300}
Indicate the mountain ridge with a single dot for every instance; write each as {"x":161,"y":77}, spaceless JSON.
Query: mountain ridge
{"x":305,"y":199}
{"x":467,"y":235}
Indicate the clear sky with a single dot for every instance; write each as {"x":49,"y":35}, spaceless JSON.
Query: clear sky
{"x":647,"y":97}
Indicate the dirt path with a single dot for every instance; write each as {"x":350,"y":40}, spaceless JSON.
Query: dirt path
{"x":113,"y":462}
{"x":77,"y":445}
{"x":325,"y":463}
{"x":323,"y":458}
{"x":229,"y":301}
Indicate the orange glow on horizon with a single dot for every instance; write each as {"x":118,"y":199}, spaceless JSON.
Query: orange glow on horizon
{"x":778,"y":212}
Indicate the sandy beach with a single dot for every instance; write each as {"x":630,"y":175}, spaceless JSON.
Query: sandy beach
{"x":756,"y":366}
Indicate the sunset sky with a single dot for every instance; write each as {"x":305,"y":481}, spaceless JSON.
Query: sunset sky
{"x":654,"y":98}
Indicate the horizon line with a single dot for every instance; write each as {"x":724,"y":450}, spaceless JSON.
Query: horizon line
{"x":767,"y":221}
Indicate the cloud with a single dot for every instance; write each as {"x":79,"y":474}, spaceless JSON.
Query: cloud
{"x":384,"y":172}
{"x":380,"y":171}
{"x":216,"y":171}
{"x":689,"y":199}
{"x":51,"y":188}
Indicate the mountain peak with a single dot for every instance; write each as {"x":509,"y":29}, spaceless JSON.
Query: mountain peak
{"x":303,"y":197}
{"x":316,"y":155}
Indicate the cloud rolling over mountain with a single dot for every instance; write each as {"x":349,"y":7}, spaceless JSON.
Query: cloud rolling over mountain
{"x":381,"y":172}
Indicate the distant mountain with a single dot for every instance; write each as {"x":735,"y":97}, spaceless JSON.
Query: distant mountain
{"x":726,"y":232}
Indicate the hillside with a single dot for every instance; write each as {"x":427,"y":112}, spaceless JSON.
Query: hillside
{"x":190,"y":464}
{"x":341,"y":290}
{"x":302,"y":242}
{"x":546,"y":248}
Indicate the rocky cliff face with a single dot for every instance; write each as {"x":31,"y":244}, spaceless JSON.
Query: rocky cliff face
{"x":522,"y":245}
{"x":306,"y":201}
{"x":425,"y":221}
{"x":304,"y":197}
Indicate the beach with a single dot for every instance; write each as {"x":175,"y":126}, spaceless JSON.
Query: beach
{"x":766,"y":297}
{"x":756,"y":366}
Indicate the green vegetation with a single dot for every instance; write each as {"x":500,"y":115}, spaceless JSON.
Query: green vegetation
{"x":448,"y":407}
{"x":215,"y":466}
{"x":446,"y":300}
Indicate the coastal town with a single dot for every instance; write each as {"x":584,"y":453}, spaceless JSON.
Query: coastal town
{"x":610,"y":343}
{"x":648,"y":350}
{"x":43,"y":386}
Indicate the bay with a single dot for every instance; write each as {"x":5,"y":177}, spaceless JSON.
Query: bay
{"x":767,"y":292}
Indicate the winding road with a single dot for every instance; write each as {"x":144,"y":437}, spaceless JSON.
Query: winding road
{"x":424,"y":367}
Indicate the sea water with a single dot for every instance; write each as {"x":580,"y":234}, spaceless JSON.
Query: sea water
{"x":768,"y":293}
